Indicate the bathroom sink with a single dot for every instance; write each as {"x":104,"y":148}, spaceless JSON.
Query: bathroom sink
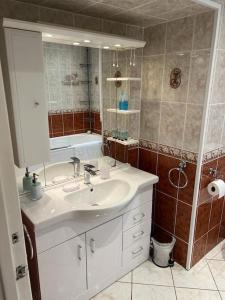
{"x":108,"y":195}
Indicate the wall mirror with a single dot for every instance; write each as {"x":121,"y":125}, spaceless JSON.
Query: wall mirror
{"x":92,"y":85}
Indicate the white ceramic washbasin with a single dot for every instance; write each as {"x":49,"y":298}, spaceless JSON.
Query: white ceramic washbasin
{"x":110,"y":195}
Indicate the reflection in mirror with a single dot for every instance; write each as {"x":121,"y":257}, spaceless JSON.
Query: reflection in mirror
{"x":72,"y":86}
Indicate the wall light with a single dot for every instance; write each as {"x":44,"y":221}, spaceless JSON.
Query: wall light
{"x":48,"y":35}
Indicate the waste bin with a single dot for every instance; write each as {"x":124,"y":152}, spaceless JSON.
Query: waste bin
{"x":161,"y":252}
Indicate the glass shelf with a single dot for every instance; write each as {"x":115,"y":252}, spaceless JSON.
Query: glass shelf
{"x":123,"y":112}
{"x":128,"y":142}
{"x":124,"y":79}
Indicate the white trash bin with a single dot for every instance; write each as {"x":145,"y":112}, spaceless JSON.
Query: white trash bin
{"x":161,"y":252}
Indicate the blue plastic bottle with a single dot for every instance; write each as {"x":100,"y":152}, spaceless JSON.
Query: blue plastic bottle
{"x":124,"y":102}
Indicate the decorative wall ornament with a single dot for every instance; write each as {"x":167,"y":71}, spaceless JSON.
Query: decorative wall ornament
{"x":175,"y":78}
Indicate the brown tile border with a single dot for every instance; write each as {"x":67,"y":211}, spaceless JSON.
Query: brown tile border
{"x":170,"y":151}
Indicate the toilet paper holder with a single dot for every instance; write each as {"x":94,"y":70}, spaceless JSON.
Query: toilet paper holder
{"x":213,"y":172}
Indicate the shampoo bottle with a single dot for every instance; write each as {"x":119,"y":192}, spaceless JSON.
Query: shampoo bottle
{"x":36,"y":188}
{"x":27,"y":181}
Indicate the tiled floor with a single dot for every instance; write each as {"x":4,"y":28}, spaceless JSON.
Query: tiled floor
{"x":205,"y":281}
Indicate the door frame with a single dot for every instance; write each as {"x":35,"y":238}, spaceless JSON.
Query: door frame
{"x":11,"y":254}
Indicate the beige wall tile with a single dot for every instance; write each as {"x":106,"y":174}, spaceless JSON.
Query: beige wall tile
{"x":218,"y":95}
{"x":199,"y":75}
{"x":172,"y":124}
{"x":155,"y":38}
{"x":221,"y":44}
{"x":193,"y":127}
{"x":203,"y":31}
{"x":23,"y":11}
{"x":113,"y":27}
{"x":135,"y":32}
{"x":55,"y":16}
{"x":152,"y":78}
{"x":150,"y":116}
{"x":87,"y":22}
{"x":214,"y":127}
{"x":177,"y":60}
{"x":179,"y":35}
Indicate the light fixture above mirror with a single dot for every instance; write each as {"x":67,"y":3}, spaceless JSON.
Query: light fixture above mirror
{"x":67,"y":35}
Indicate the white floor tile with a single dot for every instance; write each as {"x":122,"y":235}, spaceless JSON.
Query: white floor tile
{"x":218,"y":252}
{"x":192,"y":294}
{"x":117,"y":291}
{"x":148,"y":273}
{"x":147,"y":292}
{"x":198,"y":277}
{"x":222,"y":294}
{"x":217,"y":268}
{"x":126,"y":278}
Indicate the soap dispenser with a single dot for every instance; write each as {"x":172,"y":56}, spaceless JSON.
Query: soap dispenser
{"x":36,"y":188}
{"x":27,"y":181}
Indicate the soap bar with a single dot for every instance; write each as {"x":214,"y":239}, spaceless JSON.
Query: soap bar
{"x":71,"y":187}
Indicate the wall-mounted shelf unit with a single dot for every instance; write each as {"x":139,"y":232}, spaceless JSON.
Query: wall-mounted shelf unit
{"x":124,"y":79}
{"x":128,"y":142}
{"x":123,"y":112}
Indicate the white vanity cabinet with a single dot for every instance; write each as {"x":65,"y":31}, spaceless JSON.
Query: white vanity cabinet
{"x":28,"y":114}
{"x":81,"y":255}
{"x":63,"y":270}
{"x":104,"y":254}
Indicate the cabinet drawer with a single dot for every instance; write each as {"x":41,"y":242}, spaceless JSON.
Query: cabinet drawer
{"x":137,"y":253}
{"x":136,"y":233}
{"x":137,"y":216}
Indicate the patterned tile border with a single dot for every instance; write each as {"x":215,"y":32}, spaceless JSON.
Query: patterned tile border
{"x":214,"y":154}
{"x":172,"y":151}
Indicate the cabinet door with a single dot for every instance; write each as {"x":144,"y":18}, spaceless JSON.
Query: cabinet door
{"x":104,"y":254}
{"x":25,"y":92}
{"x":62,"y":270}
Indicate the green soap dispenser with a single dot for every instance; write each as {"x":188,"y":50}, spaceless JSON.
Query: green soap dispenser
{"x":36,"y":188}
{"x":27,"y":181}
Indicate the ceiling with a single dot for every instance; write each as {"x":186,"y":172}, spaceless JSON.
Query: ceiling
{"x":136,"y":12}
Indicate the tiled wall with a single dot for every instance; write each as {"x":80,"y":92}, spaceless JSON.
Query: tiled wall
{"x":61,"y":62}
{"x":67,"y":123}
{"x":170,"y":116}
{"x":35,"y":13}
{"x":171,"y":119}
{"x":69,"y":104}
{"x":210,"y":220}
{"x":93,"y":61}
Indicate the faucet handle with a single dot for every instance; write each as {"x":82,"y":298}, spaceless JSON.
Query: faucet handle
{"x":75,"y":159}
{"x":88,"y":166}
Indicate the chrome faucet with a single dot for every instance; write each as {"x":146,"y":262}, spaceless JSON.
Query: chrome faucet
{"x":76,"y":166}
{"x":88,"y":172}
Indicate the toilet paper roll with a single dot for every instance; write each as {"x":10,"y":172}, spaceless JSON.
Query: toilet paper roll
{"x":217,"y":188}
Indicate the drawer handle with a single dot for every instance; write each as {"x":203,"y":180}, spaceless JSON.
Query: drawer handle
{"x":138,"y":234}
{"x":92,"y":245}
{"x":80,"y":252}
{"x":139,"y":250}
{"x":137,"y":218}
